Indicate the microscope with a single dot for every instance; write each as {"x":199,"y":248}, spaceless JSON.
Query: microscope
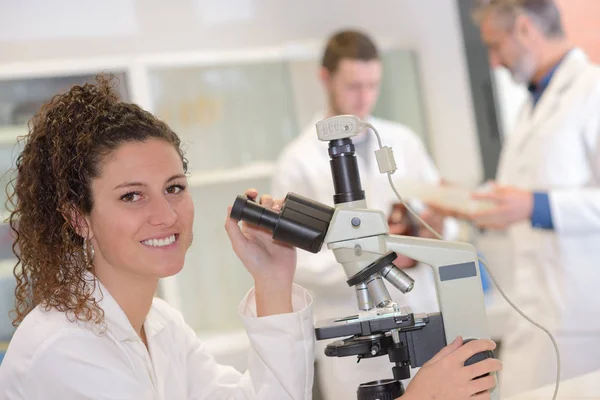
{"x":360,"y":240}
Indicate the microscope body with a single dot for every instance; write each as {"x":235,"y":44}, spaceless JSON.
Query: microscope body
{"x":360,"y":240}
{"x":358,"y":244}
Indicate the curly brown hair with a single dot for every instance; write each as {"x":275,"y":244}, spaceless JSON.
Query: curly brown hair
{"x":67,"y":141}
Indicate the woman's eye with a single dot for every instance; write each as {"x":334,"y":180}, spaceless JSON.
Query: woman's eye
{"x":174,"y":189}
{"x":131,"y":197}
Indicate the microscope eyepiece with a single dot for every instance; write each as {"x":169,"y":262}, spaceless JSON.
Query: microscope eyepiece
{"x":246,"y":209}
{"x":344,"y":171}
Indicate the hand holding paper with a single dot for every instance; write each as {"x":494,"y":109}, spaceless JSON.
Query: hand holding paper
{"x":493,"y":207}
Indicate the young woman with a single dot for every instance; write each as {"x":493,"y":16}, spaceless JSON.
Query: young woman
{"x":101,"y":213}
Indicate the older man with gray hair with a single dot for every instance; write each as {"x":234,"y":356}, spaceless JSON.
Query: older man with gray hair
{"x":547,"y":193}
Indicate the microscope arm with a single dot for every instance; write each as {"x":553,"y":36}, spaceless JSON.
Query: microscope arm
{"x":458,"y":283}
{"x":456,"y":275}
{"x":358,"y":236}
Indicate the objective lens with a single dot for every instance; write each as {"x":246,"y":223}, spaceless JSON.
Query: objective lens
{"x":378,"y":292}
{"x":398,"y":278}
{"x":362,"y":295}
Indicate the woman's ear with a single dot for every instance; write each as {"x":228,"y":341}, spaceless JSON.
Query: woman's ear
{"x":79,"y":222}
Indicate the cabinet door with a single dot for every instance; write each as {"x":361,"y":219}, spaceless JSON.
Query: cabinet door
{"x":20,"y":100}
{"x":227,"y":116}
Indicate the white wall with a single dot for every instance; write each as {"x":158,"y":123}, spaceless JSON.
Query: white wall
{"x":32,"y":30}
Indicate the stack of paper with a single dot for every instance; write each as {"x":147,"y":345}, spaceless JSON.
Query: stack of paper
{"x":450,"y":197}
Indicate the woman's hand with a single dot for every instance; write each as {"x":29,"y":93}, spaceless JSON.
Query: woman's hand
{"x":272,"y":264}
{"x":446,"y":377}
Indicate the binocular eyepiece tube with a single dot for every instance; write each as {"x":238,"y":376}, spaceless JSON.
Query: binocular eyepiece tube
{"x":302,"y":222}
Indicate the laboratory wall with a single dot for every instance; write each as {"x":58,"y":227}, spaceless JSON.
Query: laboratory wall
{"x":35,"y":30}
{"x":580,"y":18}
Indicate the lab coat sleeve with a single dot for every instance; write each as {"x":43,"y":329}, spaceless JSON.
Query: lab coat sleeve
{"x":280,"y":364}
{"x":75,"y":365}
{"x":577,"y":210}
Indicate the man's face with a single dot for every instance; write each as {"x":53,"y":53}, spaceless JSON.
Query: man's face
{"x":508,"y":48}
{"x":354,"y":87}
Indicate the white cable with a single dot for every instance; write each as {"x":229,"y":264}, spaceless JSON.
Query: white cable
{"x":513,"y":305}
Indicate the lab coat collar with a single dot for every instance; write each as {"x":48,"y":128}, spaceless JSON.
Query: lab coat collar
{"x":564,"y":77}
{"x":115,"y":318}
{"x":568,"y":70}
{"x":564,"y":74}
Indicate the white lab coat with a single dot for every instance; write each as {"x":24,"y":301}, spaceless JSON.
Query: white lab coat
{"x":51,"y":357}
{"x":556,"y":148}
{"x":303,"y":168}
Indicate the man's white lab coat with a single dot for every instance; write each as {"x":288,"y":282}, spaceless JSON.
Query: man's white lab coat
{"x":555,"y":148}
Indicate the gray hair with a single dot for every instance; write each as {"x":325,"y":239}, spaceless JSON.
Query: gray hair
{"x":544,"y":13}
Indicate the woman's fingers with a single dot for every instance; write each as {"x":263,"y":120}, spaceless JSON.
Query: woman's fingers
{"x":266,"y":201}
{"x":449,"y":349}
{"x":473,"y":347}
{"x":251,"y":193}
{"x":236,"y":236}
{"x":277,"y":205}
{"x":484,"y":367}
{"x":482,"y":384}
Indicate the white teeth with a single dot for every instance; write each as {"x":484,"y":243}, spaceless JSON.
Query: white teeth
{"x":160,"y":242}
